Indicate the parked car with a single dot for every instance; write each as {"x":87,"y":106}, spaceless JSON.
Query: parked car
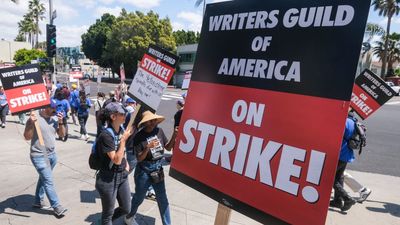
{"x":394,"y":87}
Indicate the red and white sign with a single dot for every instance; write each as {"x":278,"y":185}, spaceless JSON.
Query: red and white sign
{"x":24,"y":88}
{"x":264,"y":117}
{"x":153,"y":75}
{"x":370,"y":92}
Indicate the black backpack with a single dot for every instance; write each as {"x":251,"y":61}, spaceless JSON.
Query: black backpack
{"x":95,"y":158}
{"x":358,"y":139}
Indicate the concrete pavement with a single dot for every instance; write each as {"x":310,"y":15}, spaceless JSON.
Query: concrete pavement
{"x":75,"y":186}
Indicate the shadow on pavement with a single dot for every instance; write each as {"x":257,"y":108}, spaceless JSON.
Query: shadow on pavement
{"x":95,"y":219}
{"x":89,"y":196}
{"x":391,"y":208}
{"x":22,"y":204}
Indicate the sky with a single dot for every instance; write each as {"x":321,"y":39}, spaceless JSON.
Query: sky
{"x":74,"y":17}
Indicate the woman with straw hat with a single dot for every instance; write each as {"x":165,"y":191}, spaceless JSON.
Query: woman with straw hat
{"x":149,"y":144}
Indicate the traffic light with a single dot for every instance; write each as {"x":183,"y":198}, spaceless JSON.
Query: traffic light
{"x":51,"y":40}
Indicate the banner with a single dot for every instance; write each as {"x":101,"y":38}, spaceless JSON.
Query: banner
{"x":153,"y":75}
{"x":24,"y":88}
{"x":370,"y":92}
{"x":265,"y":113}
{"x":122,"y":72}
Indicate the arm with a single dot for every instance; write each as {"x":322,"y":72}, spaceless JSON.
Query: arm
{"x":171,"y":142}
{"x":30,"y":126}
{"x":117,"y":155}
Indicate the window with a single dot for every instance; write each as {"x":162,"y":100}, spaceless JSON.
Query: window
{"x":187,"y":57}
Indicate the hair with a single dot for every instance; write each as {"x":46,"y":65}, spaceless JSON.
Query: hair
{"x":101,"y":94}
{"x":58,"y":94}
{"x":82,"y":95}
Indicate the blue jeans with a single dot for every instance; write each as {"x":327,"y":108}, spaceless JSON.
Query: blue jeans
{"x":45,"y":183}
{"x":142,"y":183}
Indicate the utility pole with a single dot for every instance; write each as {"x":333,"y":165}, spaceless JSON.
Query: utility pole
{"x":53,"y":77}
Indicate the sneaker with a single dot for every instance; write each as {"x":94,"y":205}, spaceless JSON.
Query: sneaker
{"x":151,"y":195}
{"x":41,"y":205}
{"x":348,"y":203}
{"x":3,"y":125}
{"x":364,"y":193}
{"x":130,"y":221}
{"x":337,"y":203}
{"x":86,"y":137}
{"x":59,"y":210}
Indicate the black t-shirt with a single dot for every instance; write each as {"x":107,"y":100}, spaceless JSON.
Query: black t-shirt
{"x":106,"y":144}
{"x":177,"y":117}
{"x":142,"y":138}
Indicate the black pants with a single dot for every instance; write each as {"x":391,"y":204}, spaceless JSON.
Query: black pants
{"x":3,"y":113}
{"x":82,"y":122}
{"x":340,"y":193}
{"x":113,"y":186}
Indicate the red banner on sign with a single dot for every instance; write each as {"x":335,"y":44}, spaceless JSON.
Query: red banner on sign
{"x":157,"y":68}
{"x":274,"y":150}
{"x":28,"y":97}
{"x":363,"y":103}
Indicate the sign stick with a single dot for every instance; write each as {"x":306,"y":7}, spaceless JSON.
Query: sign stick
{"x":39,"y":133}
{"x":223,"y":215}
{"x":133,"y":116}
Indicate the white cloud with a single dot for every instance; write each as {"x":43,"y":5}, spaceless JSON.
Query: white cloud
{"x":70,"y":36}
{"x":10,"y":15}
{"x":113,"y":11}
{"x":189,"y":20}
{"x":107,"y":2}
{"x":177,"y":26}
{"x":143,"y":4}
{"x":65,"y":12}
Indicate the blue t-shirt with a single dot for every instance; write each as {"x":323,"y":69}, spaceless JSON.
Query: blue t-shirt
{"x":74,"y":98}
{"x":83,"y":108}
{"x":346,"y":153}
{"x":62,"y":106}
{"x":3,"y":99}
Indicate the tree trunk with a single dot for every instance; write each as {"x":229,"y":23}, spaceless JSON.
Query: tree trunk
{"x":37,"y":32}
{"x":384,"y":60}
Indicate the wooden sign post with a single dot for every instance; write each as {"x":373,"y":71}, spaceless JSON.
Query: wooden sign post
{"x":223,"y":215}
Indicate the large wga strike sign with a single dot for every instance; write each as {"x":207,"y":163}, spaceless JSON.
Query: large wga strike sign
{"x":265,"y":113}
{"x":24,"y":88}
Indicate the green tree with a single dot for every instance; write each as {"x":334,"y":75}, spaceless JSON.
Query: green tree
{"x":95,"y":39}
{"x":24,"y":56}
{"x":393,"y":50}
{"x":186,"y":37}
{"x":130,"y":37}
{"x":36,"y":10}
{"x":20,"y":37}
{"x":387,"y":8}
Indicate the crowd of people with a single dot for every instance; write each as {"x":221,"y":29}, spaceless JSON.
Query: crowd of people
{"x":130,"y":148}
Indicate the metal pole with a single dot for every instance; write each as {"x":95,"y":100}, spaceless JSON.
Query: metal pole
{"x":9,"y":48}
{"x":51,"y":11}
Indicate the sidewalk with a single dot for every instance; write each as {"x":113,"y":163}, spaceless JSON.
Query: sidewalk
{"x":75,"y":186}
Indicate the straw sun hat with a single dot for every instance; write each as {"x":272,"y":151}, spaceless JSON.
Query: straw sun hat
{"x":147,"y":116}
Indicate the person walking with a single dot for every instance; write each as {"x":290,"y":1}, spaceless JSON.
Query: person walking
{"x":3,"y":107}
{"x":84,"y":105}
{"x":112,"y":179}
{"x":74,"y":96}
{"x":44,"y":158}
{"x":62,"y":107}
{"x":341,"y":198}
{"x":149,"y":144}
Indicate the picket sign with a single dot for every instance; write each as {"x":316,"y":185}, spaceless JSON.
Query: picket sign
{"x":223,"y":215}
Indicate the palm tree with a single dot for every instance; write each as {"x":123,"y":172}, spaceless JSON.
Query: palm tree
{"x":36,"y":8}
{"x":27,"y":26}
{"x":387,"y":8}
{"x":372,"y":30}
{"x":393,"y":50}
{"x":198,"y":2}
